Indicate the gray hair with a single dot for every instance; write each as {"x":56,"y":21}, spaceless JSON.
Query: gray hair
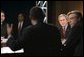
{"x":61,"y":15}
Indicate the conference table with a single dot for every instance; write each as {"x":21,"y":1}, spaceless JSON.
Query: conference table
{"x":6,"y":50}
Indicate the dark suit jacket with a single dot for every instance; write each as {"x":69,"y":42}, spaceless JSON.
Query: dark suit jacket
{"x":15,"y":32}
{"x":79,"y":48}
{"x":38,"y":40}
{"x":74,"y":37}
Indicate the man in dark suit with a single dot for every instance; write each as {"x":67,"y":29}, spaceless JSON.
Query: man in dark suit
{"x":19,"y":25}
{"x":64,"y":27}
{"x":39,"y":39}
{"x":75,"y":36}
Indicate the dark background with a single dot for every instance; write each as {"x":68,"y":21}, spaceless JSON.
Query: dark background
{"x":12,"y":8}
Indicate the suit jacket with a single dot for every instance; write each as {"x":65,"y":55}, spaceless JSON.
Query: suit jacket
{"x":79,"y":48}
{"x":16,"y":32}
{"x":38,"y":40}
{"x":66,"y":32}
{"x":74,"y":37}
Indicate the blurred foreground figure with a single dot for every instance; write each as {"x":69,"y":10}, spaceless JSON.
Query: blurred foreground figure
{"x":39,"y":39}
{"x":74,"y":43}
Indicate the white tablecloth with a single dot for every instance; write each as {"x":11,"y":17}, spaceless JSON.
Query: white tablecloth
{"x":6,"y":50}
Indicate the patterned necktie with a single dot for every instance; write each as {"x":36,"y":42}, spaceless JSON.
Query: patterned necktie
{"x":63,"y":32}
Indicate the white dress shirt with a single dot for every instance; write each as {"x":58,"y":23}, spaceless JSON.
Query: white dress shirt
{"x":19,"y":24}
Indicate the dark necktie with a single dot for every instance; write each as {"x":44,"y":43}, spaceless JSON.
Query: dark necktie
{"x":63,"y":32}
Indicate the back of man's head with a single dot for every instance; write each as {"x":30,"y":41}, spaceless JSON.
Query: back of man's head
{"x":37,"y":13}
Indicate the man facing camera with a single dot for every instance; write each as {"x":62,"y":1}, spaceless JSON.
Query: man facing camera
{"x":64,"y":27}
{"x":39,"y":39}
